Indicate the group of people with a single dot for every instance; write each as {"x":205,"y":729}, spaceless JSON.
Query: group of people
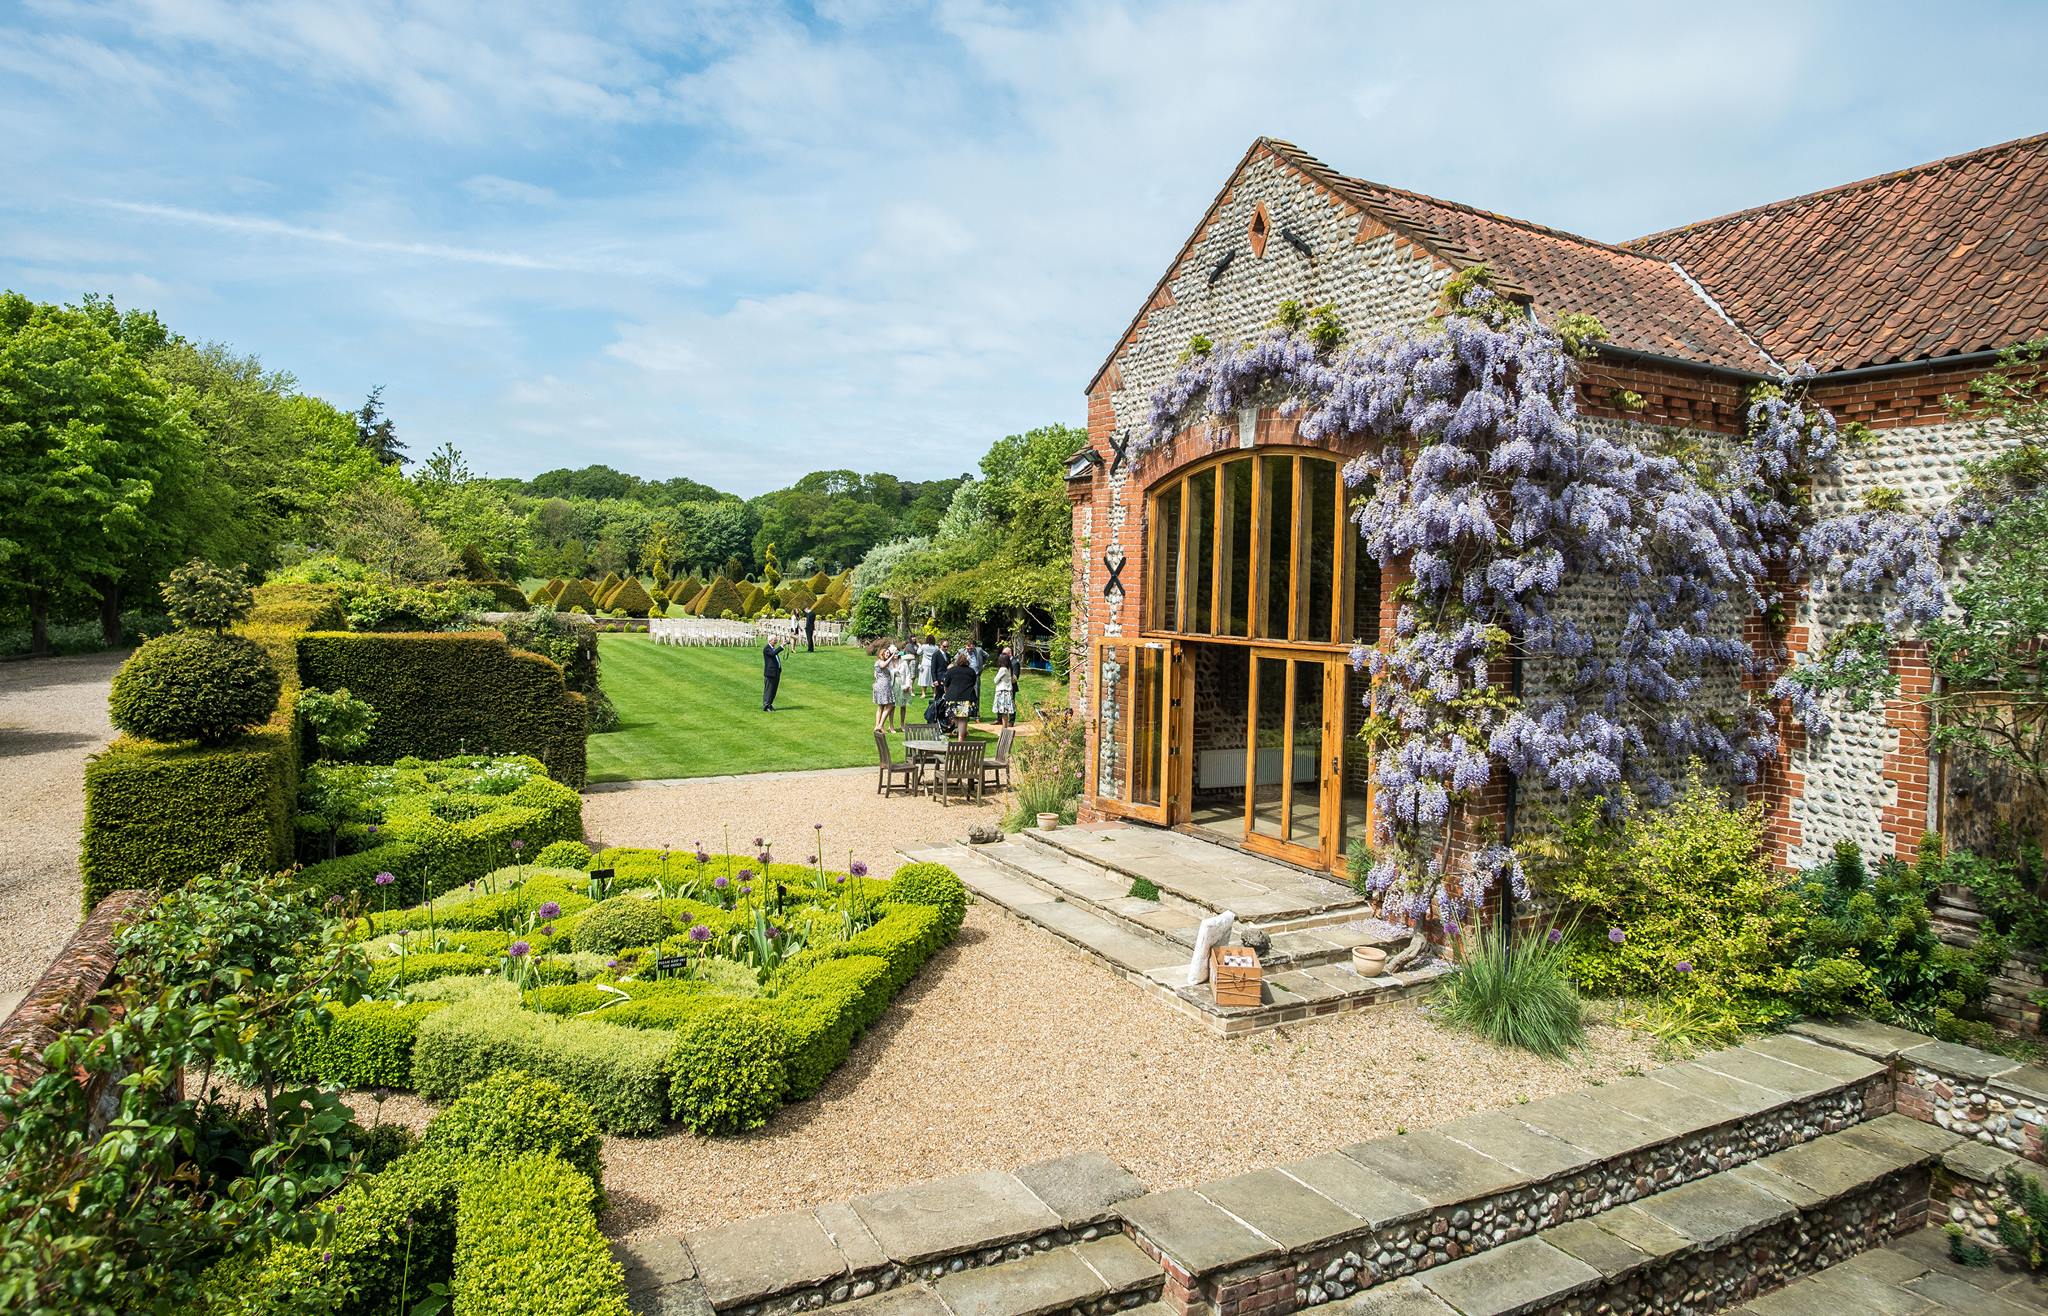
{"x":950,"y":680}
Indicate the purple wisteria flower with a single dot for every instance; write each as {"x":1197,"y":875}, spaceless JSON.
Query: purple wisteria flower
{"x":699,"y":933}
{"x":385,"y":879}
{"x":548,"y":909}
{"x":518,"y":949}
{"x":1616,"y":936}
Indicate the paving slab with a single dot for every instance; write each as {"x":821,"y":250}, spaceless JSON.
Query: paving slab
{"x":1524,"y":1275}
{"x":1678,"y":1111}
{"x":1194,"y":1231}
{"x":1404,"y":1297}
{"x":1099,"y":933}
{"x":842,"y":1224}
{"x":1861,"y":1291}
{"x":903,"y":1300}
{"x":1121,"y":1263}
{"x":1440,"y":1171}
{"x":1843,"y":1066}
{"x":1716,"y":1211}
{"x":1643,"y":1231}
{"x":1930,"y":1139}
{"x":1747,"y":1098}
{"x":1791,"y":1190}
{"x":1833,"y":1166}
{"x":1082,"y":1189}
{"x":1587,"y":1122}
{"x":949,"y":1216}
{"x":2028,"y":1080}
{"x":1367,"y":1194}
{"x":1863,"y":1036}
{"x":1283,"y":1209}
{"x":1959,"y":1295}
{"x":1768,"y":1072}
{"x":1042,"y":1282}
{"x":754,"y":1259}
{"x":1978,"y":1162}
{"x":1966,"y":1061}
{"x":1500,"y":1135}
{"x":1610,"y":1254}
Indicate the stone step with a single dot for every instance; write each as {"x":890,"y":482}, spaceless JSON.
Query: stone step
{"x":1913,"y":1273}
{"x":885,"y":1246}
{"x":1128,"y":947}
{"x":1206,"y":875}
{"x":1701,"y":1246}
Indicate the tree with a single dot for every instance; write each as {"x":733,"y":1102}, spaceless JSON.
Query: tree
{"x":96,"y":462}
{"x":378,"y":526}
{"x":464,"y":510}
{"x":376,"y":433}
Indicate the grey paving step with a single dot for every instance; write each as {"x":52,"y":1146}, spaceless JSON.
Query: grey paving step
{"x":1127,"y":947}
{"x":1211,"y":876}
{"x":1911,"y":1274}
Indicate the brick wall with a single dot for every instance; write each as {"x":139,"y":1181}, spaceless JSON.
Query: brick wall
{"x":58,"y":1000}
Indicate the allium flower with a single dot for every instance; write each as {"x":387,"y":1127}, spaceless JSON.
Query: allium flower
{"x":611,"y":964}
{"x":758,"y":843}
{"x":1616,"y":935}
{"x":746,"y":888}
{"x":386,"y":879}
{"x":517,"y":846}
{"x":746,"y":873}
{"x":548,"y":909}
{"x":699,"y":933}
{"x":810,"y":859}
{"x":773,"y":932}
{"x":373,"y":829}
{"x":518,"y":950}
{"x":840,"y":879}
{"x":857,"y":868}
{"x":701,"y":856}
{"x":1555,"y":937}
{"x":547,"y":930}
{"x":1683,"y":966}
{"x":817,"y":827}
{"x":721,"y":882}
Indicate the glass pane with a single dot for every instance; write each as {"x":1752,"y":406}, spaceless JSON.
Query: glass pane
{"x":1357,"y":763}
{"x":1223,"y":674}
{"x":1201,"y":498}
{"x":1269,"y":735}
{"x":1279,"y":524}
{"x":1110,"y":676}
{"x":1148,"y":723}
{"x":1365,"y":589}
{"x":1237,"y":547}
{"x":1165,"y":575}
{"x":1319,"y":522}
{"x":1305,"y":805}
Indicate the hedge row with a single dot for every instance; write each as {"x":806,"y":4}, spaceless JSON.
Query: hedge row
{"x":527,"y":1244}
{"x":439,"y":694}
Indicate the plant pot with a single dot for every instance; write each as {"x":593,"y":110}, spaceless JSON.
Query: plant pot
{"x":1048,"y":822}
{"x":1370,"y":961}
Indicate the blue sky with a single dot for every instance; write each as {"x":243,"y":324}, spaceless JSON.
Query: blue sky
{"x":740,"y":242}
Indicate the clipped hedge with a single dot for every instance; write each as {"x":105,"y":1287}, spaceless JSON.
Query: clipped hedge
{"x":365,"y":1045}
{"x":513,"y":1114}
{"x":527,"y":1244}
{"x":440,"y":694}
{"x":575,"y":594}
{"x":719,"y":599}
{"x":631,"y":597}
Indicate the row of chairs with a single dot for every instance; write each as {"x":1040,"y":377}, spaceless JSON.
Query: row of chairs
{"x":966,"y":767}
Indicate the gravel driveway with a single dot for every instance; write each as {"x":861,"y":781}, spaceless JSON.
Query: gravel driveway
{"x":53,"y":712}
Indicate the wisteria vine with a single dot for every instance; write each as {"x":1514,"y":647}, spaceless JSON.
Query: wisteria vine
{"x":1479,"y":480}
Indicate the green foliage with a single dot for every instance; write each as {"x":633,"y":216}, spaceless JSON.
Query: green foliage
{"x":872,"y":615}
{"x":1854,"y":664}
{"x":1144,"y":888}
{"x":721,"y":598}
{"x":604,"y":589}
{"x":2009,"y":890}
{"x":202,"y":597}
{"x":340,"y":723}
{"x":631,"y":597}
{"x":527,"y":1244}
{"x":194,"y":685}
{"x":729,"y":1070}
{"x":563,"y":854}
{"x":1513,"y":993}
{"x":622,"y":921}
{"x":510,"y":1114}
{"x":574,"y":596}
{"x":365,"y":1045}
{"x":448,"y":694}
{"x":934,"y":885}
{"x":2023,"y":1224}
{"x":1048,"y":769}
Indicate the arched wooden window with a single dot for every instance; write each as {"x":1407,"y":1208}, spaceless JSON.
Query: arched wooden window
{"x":1259,"y":545}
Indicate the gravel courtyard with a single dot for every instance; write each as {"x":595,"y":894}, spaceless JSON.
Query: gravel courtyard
{"x":53,"y":712}
{"x":1009,"y":1048}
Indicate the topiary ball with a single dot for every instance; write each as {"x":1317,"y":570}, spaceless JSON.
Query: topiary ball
{"x":564,"y":854}
{"x":931,"y":884}
{"x":194,"y":685}
{"x":512,"y":1113}
{"x":622,"y":921}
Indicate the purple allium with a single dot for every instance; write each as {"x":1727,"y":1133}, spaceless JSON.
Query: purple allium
{"x":817,"y":827}
{"x":701,"y":856}
{"x":385,"y":879}
{"x":548,"y":909}
{"x":699,"y":933}
{"x":518,"y":949}
{"x":1616,"y":935}
{"x":773,"y":932}
{"x":721,"y":882}
{"x":857,"y":868}
{"x":746,"y":889}
{"x":611,"y":964}
{"x":746,"y":873}
{"x":810,"y":859}
{"x":840,"y":879}
{"x":1683,"y":966}
{"x":373,"y":829}
{"x":547,"y":929}
{"x":517,"y":846}
{"x":758,"y":843}
{"x":1555,"y":936}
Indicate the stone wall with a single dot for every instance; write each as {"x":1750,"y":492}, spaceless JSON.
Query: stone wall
{"x":58,"y":1000}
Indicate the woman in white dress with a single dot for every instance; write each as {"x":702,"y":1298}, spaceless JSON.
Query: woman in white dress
{"x":885,"y":684}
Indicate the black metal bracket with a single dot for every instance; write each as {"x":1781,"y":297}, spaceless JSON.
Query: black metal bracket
{"x":1120,"y":451}
{"x":1221,"y":266}
{"x":1115,"y":567}
{"x":1298,"y":242}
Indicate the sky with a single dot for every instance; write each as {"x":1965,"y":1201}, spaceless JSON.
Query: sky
{"x":739,"y":242}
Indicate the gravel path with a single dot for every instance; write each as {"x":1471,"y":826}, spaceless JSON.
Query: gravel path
{"x":1010,"y":1048}
{"x":53,"y":712}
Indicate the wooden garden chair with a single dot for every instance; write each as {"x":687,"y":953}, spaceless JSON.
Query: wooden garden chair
{"x":961,"y":769}
{"x":890,"y":769}
{"x":995,"y":771}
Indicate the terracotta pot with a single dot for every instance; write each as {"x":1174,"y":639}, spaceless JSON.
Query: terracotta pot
{"x":1370,"y":961}
{"x":1048,"y":822}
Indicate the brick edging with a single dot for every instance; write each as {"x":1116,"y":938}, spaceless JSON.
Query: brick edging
{"x":67,"y":986}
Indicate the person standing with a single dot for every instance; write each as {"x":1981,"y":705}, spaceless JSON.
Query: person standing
{"x":1006,"y":688}
{"x":977,"y":658}
{"x":810,"y":630}
{"x":885,"y":684}
{"x":771,"y":674}
{"x":961,"y":683}
{"x":904,"y":675}
{"x":933,"y":659}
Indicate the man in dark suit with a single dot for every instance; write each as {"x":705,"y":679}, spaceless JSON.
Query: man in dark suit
{"x":771,"y":674}
{"x":810,"y":630}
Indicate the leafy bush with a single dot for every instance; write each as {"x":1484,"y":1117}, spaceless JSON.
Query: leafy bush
{"x":2023,"y":1225}
{"x":1048,"y":771}
{"x":340,"y":723}
{"x":631,"y":598}
{"x":202,"y":597}
{"x":527,"y":1244}
{"x":619,"y":922}
{"x":563,"y":854}
{"x":728,"y":1070}
{"x":365,"y":1045}
{"x":871,"y":615}
{"x":574,"y":595}
{"x":1513,"y":993}
{"x":512,"y":1114}
{"x":2008,"y":890}
{"x":934,"y":885}
{"x":194,"y":685}
{"x":720,"y":599}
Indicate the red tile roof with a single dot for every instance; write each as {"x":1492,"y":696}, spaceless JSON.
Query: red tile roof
{"x":1940,"y":259}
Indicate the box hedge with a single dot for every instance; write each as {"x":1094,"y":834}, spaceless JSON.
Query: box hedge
{"x":439,"y":694}
{"x":365,"y":1045}
{"x":527,"y":1244}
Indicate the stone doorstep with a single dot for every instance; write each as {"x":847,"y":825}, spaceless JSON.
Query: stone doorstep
{"x":1203,"y":873}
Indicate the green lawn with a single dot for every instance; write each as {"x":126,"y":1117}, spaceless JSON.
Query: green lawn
{"x":690,"y":712}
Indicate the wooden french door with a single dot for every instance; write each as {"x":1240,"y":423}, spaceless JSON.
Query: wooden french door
{"x":1294,"y":756}
{"x":1139,"y":743}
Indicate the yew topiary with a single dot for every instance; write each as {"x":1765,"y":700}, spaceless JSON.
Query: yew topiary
{"x":194,"y":685}
{"x":796,"y":598}
{"x":575,"y":594}
{"x":604,"y":588}
{"x":631,"y":598}
{"x":720,"y":598}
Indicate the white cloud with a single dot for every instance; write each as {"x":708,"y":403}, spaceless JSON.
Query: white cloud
{"x":490,"y":187}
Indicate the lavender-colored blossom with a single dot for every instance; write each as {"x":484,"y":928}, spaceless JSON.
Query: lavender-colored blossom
{"x":1616,"y":936}
{"x":518,"y":949}
{"x":385,"y":879}
{"x":721,"y":882}
{"x":517,"y":846}
{"x":702,"y":856}
{"x":548,"y":909}
{"x":547,"y":930}
{"x":1555,"y":936}
{"x":857,"y":868}
{"x":1683,"y":966}
{"x":699,"y":933}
